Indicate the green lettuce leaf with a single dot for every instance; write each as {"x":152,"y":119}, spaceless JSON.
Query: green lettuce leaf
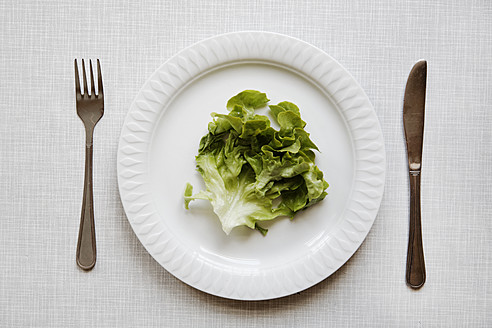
{"x":248,"y":166}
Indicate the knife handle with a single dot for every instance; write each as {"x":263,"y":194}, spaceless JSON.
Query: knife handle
{"x":415,"y":275}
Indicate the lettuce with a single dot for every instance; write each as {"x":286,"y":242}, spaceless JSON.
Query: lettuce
{"x":253,"y":172}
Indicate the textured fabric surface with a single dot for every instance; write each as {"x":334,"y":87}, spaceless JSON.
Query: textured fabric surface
{"x":42,"y":158}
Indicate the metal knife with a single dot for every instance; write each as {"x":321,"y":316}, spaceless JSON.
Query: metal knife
{"x":413,"y":123}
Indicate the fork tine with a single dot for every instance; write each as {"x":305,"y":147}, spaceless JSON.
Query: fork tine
{"x":93,"y":87}
{"x":99,"y":80}
{"x":77,"y":79}
{"x":86,"y":90}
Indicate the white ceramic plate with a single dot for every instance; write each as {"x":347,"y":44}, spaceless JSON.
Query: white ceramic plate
{"x":160,"y":138}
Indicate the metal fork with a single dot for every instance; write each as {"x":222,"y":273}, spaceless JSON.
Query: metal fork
{"x":90,"y":109}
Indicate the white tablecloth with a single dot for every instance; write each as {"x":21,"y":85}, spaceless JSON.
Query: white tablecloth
{"x":42,"y":158}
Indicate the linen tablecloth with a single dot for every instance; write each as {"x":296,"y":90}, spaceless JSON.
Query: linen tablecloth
{"x":42,"y":158}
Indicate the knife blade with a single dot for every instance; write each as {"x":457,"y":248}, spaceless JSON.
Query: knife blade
{"x":413,"y":123}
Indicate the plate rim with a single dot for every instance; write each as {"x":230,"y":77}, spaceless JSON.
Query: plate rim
{"x":181,"y":69}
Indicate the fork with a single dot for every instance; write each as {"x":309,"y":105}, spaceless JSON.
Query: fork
{"x":90,"y":109}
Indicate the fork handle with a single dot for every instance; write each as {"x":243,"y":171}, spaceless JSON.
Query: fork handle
{"x":86,"y":245}
{"x":415,"y":274}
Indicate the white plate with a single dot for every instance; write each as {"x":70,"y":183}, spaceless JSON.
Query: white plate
{"x":160,"y":138}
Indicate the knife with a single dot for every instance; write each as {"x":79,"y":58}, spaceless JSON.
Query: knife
{"x":413,"y":123}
